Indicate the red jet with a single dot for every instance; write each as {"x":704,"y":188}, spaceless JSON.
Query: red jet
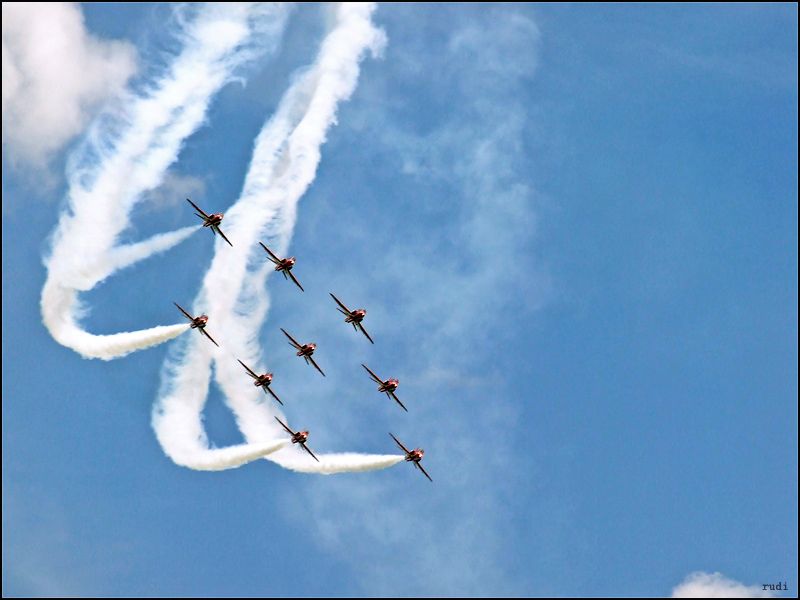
{"x":299,"y":438}
{"x":262,"y":381}
{"x":388,"y":386}
{"x":306,"y":350}
{"x":198,"y":323}
{"x":212,"y":220}
{"x":353,"y":316}
{"x":284,"y":265}
{"x":413,"y":456}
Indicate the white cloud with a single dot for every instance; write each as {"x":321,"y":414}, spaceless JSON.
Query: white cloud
{"x":55,"y":76}
{"x":716,"y":585}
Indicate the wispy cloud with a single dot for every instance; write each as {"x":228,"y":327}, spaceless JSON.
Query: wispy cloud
{"x":448,"y":272}
{"x":477,"y":152}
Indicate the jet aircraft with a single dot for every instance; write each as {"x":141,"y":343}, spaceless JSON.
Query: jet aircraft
{"x":198,"y":323}
{"x":261,"y":381}
{"x":306,"y":350}
{"x":413,"y":456}
{"x":299,"y":438}
{"x":353,"y":316}
{"x":388,"y":386}
{"x":284,"y":265}
{"x":212,"y":220}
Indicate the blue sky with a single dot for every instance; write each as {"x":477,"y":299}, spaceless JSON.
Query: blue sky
{"x":574,"y":229}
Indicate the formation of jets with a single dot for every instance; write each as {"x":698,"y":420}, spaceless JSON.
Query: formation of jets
{"x":264,"y":381}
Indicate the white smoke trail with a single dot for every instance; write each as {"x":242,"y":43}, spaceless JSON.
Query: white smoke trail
{"x":60,"y":305}
{"x":127,"y":154}
{"x":347,"y":462}
{"x":125,"y":256}
{"x":285,"y":160}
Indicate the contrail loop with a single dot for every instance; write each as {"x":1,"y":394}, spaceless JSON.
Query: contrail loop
{"x":284,"y":163}
{"x":127,"y":153}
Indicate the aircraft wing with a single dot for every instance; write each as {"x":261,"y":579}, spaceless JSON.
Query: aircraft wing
{"x":399,"y":444}
{"x":313,"y":362}
{"x":364,"y":331}
{"x":284,"y":426}
{"x":205,"y":333}
{"x":309,"y":451}
{"x":292,"y":342}
{"x":423,"y":470}
{"x":295,"y":280}
{"x":344,"y":309}
{"x":274,"y":395}
{"x":216,"y":227}
{"x":396,"y":399}
{"x":374,"y":377}
{"x":188,"y":316}
{"x":271,"y":256}
{"x":249,"y":370}
{"x":198,"y":209}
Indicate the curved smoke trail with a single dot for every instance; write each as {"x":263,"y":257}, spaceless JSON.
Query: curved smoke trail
{"x":127,"y":154}
{"x":285,"y":160}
